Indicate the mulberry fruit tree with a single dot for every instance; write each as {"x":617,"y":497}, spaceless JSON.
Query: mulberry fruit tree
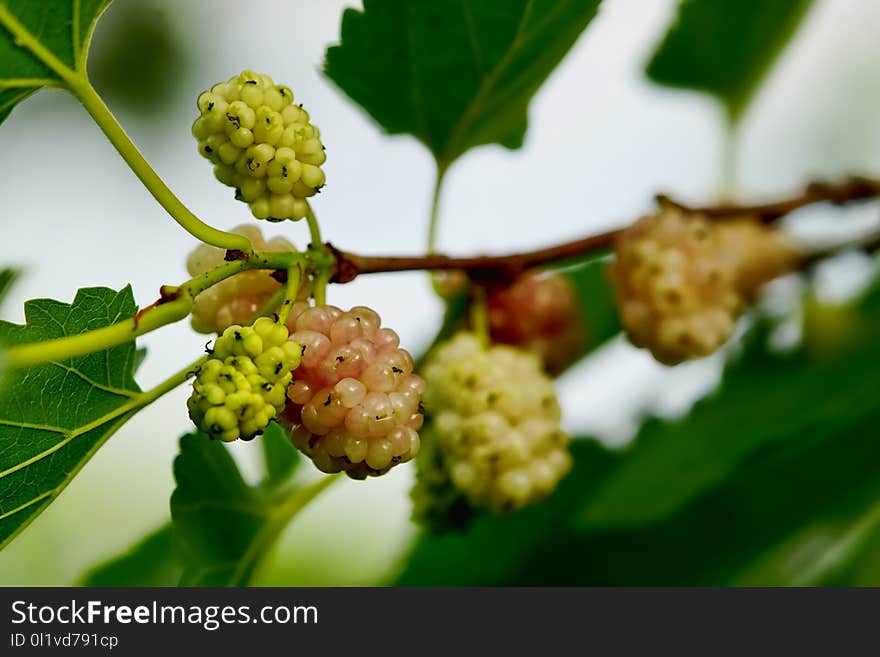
{"x":773,"y":479}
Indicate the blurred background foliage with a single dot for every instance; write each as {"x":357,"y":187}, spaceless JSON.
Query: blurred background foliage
{"x":137,"y":61}
{"x":773,"y":478}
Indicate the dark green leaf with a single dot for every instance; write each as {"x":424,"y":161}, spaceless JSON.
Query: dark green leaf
{"x":813,"y":485}
{"x":62,"y":27}
{"x":279,"y":455}
{"x":831,"y":549}
{"x":151,"y":562}
{"x":497,"y":549}
{"x":766,"y":398}
{"x":725,"y":47}
{"x":454,"y":73}
{"x":54,"y":417}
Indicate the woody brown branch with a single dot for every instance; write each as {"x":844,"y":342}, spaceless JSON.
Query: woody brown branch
{"x":350,"y":265}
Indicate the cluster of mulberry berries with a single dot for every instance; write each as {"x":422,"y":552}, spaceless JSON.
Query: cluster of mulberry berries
{"x":237,"y":299}
{"x":242,"y":386}
{"x":261,"y":144}
{"x":538,"y":313}
{"x":354,"y":400}
{"x":682,"y":281}
{"x":494,"y":417}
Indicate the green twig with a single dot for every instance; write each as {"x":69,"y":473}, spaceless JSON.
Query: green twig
{"x":271,"y":305}
{"x":730,"y":161}
{"x":314,"y":228}
{"x":291,"y":288}
{"x":479,"y":316}
{"x":173,"y":307}
{"x":60,"y":349}
{"x":320,"y":289}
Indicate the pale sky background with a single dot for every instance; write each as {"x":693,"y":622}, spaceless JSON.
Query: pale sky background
{"x":602,"y":142}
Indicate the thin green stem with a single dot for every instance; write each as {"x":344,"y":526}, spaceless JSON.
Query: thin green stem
{"x":314,"y":228}
{"x":479,"y":316}
{"x":277,"y":260}
{"x":729,"y":161}
{"x":292,"y":503}
{"x":170,"y":383}
{"x":320,"y":289}
{"x":147,"y":175}
{"x":291,"y":288}
{"x":177,"y":306}
{"x":435,"y":210}
{"x":60,"y":349}
{"x":271,"y":305}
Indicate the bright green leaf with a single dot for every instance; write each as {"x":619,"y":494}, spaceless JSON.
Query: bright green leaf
{"x":54,"y":417}
{"x":151,"y":562}
{"x":62,"y":28}
{"x":725,"y":47}
{"x":279,"y":455}
{"x":454,"y":73}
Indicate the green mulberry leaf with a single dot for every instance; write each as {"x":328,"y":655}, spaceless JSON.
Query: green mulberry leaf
{"x":39,"y":40}
{"x":454,"y":73}
{"x":725,"y":47}
{"x":53,"y":417}
{"x":223,"y":526}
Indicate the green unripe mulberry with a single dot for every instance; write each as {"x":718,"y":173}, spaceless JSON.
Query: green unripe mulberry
{"x":242,"y":386}
{"x":262,"y":144}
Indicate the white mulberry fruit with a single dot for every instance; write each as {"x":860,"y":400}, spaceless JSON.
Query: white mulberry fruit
{"x":242,"y":386}
{"x":261,"y":144}
{"x":354,"y":400}
{"x":237,"y":299}
{"x":681,"y":281}
{"x":495,"y":418}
